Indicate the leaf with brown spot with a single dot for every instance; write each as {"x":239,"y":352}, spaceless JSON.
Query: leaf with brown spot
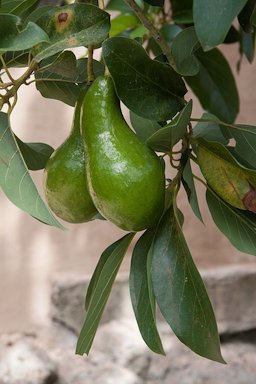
{"x":228,"y":178}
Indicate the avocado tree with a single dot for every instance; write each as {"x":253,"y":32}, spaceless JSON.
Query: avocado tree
{"x":152,"y":51}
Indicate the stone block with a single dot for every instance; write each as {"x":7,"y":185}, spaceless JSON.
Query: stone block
{"x":24,"y":362}
{"x":232,"y":290}
{"x":68,"y":297}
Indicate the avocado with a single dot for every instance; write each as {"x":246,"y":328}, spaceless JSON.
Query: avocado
{"x":125,"y":177}
{"x":65,"y":182}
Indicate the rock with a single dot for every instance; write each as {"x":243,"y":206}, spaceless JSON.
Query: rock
{"x":232,"y":290}
{"x":182,"y":366}
{"x":126,"y":348}
{"x":68,"y":296}
{"x":24,"y":362}
{"x":96,"y":369}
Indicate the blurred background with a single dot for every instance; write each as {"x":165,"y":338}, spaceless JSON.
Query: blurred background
{"x":32,"y":253}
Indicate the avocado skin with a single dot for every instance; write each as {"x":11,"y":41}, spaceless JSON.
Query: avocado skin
{"x":65,"y":182}
{"x":125,"y":177}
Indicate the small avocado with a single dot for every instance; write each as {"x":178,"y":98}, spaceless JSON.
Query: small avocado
{"x":125,"y":178}
{"x":65,"y":182}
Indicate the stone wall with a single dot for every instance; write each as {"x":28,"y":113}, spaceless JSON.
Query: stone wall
{"x":119,"y":354}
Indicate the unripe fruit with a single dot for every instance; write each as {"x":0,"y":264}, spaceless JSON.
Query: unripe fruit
{"x":65,"y":183}
{"x":125,"y":177}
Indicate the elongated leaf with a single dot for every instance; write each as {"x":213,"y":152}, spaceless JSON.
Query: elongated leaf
{"x":140,"y":293}
{"x":156,"y":3}
{"x":72,"y":26}
{"x":189,"y":185}
{"x":35,"y":155}
{"x":182,"y":11}
{"x":143,"y":127}
{"x":16,"y":59}
{"x":67,"y":86}
{"x":150,"y":89}
{"x":232,"y":181}
{"x":100,"y":292}
{"x":63,"y":64}
{"x":215,"y":86}
{"x":209,"y":130}
{"x":244,"y":16}
{"x":123,"y":23}
{"x":17,"y":7}
{"x":165,"y":138}
{"x":245,"y":136}
{"x":13,"y":38}
{"x":213,"y":19}
{"x":117,"y":5}
{"x":238,"y":226}
{"x":97,"y":272}
{"x":15,"y":180}
{"x":180,"y":292}
{"x":183,"y":47}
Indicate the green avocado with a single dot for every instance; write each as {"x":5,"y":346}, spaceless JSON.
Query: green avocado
{"x":125,"y":177}
{"x":65,"y":182}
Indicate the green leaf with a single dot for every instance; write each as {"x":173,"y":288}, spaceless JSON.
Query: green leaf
{"x":12,"y":38}
{"x":63,"y":64}
{"x":143,"y":127}
{"x":53,"y":86}
{"x":245,"y":15}
{"x":182,"y":11}
{"x":140,"y":293}
{"x":245,"y":136}
{"x":189,"y":186}
{"x":183,"y":48}
{"x":123,"y":23}
{"x":247,"y":46}
{"x":35,"y":155}
{"x":156,"y":3}
{"x":231,"y":180}
{"x":150,"y":89}
{"x":213,"y":19}
{"x":165,"y":138}
{"x":97,"y":272}
{"x":15,"y":180}
{"x":215,"y":86}
{"x":100,"y":291}
{"x":180,"y":292}
{"x":16,"y":59}
{"x":237,"y":225}
{"x":17,"y":7}
{"x":169,"y":32}
{"x":209,"y":130}
{"x":72,"y":26}
{"x":66,"y":87}
{"x":37,"y":13}
{"x":117,"y":5}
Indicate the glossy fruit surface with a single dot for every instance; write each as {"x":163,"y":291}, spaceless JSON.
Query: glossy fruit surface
{"x":125,"y":177}
{"x":65,"y":178}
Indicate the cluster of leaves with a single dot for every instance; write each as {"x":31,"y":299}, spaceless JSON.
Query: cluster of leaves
{"x":151,"y":49}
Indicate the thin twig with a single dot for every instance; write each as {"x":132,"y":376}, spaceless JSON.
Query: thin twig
{"x":153,"y":31}
{"x":90,"y":72}
{"x":101,"y":4}
{"x":6,"y":69}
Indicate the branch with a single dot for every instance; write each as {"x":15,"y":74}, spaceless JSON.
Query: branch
{"x":153,"y":31}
